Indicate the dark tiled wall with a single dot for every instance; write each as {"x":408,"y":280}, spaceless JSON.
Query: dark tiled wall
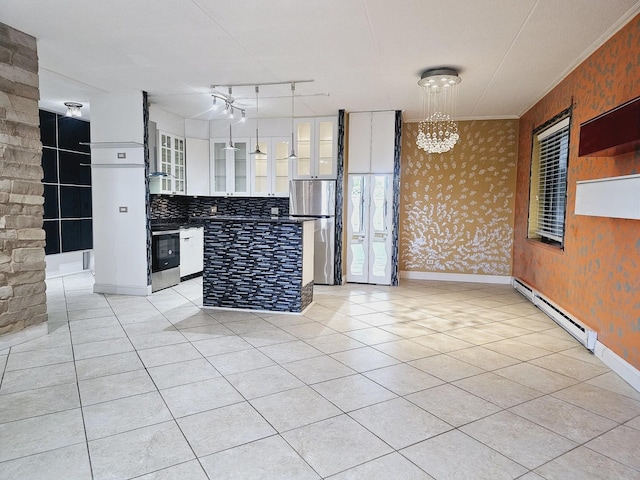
{"x":254,"y":265}
{"x":67,"y":183}
{"x":181,"y":207}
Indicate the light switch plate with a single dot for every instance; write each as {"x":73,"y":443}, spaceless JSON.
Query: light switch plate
{"x":123,"y":209}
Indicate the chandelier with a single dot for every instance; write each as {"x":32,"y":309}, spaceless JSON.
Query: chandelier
{"x":437,"y":131}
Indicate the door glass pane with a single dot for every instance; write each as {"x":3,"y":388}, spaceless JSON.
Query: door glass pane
{"x":304,"y":149}
{"x":380,"y":257}
{"x":282,"y":167}
{"x":261,"y":170}
{"x":357,"y":259}
{"x":325,"y":146}
{"x":219,"y":168}
{"x":357,"y":202}
{"x":240,"y":167}
{"x":378,"y":199}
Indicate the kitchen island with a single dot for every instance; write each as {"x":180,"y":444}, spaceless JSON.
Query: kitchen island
{"x":257,"y":263}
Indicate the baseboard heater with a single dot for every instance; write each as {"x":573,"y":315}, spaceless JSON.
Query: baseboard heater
{"x":570,"y":324}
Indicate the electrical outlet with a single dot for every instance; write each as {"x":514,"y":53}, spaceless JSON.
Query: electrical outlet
{"x":429,"y":262}
{"x":123,"y":209}
{"x":214,"y":209}
{"x":274,"y":210}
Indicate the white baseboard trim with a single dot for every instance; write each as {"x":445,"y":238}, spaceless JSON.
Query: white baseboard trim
{"x":456,"y":277}
{"x":141,"y":291}
{"x":624,"y":369}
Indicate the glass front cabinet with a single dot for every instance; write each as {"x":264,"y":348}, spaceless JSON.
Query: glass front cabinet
{"x":171,"y":162}
{"x":316,"y":148}
{"x":230,"y":167}
{"x":270,"y":170}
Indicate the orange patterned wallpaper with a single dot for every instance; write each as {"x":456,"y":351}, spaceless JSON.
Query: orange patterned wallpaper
{"x":456,"y":208}
{"x":597,"y":276}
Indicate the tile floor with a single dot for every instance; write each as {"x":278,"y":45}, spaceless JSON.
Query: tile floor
{"x":430,"y":380}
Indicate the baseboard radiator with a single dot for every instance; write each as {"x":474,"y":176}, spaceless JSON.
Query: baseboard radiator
{"x":573,"y":326}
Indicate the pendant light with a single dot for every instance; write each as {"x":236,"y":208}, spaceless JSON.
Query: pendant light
{"x":257,"y":150}
{"x":293,"y":155}
{"x":230,"y":146}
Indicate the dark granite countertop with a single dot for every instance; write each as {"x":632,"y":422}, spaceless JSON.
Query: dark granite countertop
{"x":194,"y":222}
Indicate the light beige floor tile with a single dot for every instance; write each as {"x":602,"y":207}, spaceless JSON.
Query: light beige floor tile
{"x":40,"y":434}
{"x":581,"y":353}
{"x":139,"y":451}
{"x":41,"y":401}
{"x":38,"y":377}
{"x":563,"y":418}
{"x":111,"y":387}
{"x":483,"y":358}
{"x":364,"y":359}
{"x":191,"y":320}
{"x":200,"y":396}
{"x":309,"y":330}
{"x":531,"y":323}
{"x":241,"y":361}
{"x":344,"y":323}
{"x":166,"y":376}
{"x":441,"y":458}
{"x":227,"y":316}
{"x":603,"y":402}
{"x":393,"y":465}
{"x":39,"y":358}
{"x":446,"y":368}
{"x":512,"y":347}
{"x":43,"y":342}
{"x":251,"y":325}
{"x":97,"y":334}
{"x":154,"y":357}
{"x":399,"y":423}
{"x":318,"y":369}
{"x":216,"y":430}
{"x":269,"y":459}
{"x":152,"y":326}
{"x":268,"y":337}
{"x":620,"y":444}
{"x":290,"y":351}
{"x":570,"y":367}
{"x":377,"y":319}
{"x":407,"y":329}
{"x":124,"y":414}
{"x":405,"y":350}
{"x":70,"y":463}
{"x":103,"y":348}
{"x":157,"y":339}
{"x":635,"y":423}
{"x":335,"y":444}
{"x":351,"y":393}
{"x":453,"y":405}
{"x":337,"y":342}
{"x":548,"y":342}
{"x":220,"y":345}
{"x":373,"y":336}
{"x":76,"y":312}
{"x":190,"y":470}
{"x":498,"y":390}
{"x":519,"y":439}
{"x":108,"y":365}
{"x":536,"y":377}
{"x":531,"y":476}
{"x":263,"y":381}
{"x":583,"y":463}
{"x":294,"y":408}
{"x":441,"y":342}
{"x":101,"y":322}
{"x":402,"y":379}
{"x":475,"y":335}
{"x":612,"y":382}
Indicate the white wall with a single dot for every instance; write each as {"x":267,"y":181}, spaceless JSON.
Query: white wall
{"x":119,"y":237}
{"x":268,"y":127}
{"x":166,"y":121}
{"x":67,"y":263}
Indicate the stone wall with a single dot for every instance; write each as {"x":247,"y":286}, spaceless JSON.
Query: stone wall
{"x":22,"y":239}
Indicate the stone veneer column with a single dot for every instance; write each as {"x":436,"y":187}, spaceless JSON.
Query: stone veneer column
{"x":22,"y":239}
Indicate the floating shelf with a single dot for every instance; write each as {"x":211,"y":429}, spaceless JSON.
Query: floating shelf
{"x":613,"y":197}
{"x":613,"y":133}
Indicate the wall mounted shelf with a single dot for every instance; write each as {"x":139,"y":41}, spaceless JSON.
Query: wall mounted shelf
{"x":614,"y":197}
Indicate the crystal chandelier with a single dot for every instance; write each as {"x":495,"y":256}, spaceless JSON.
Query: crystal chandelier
{"x":437,"y":131}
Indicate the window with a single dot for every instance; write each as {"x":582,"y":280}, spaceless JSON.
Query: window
{"x":547,"y":197}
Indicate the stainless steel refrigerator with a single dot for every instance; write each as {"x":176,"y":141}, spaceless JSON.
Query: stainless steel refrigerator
{"x":317,"y":199}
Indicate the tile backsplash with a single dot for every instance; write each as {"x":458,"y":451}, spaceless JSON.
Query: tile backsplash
{"x":181,"y":207}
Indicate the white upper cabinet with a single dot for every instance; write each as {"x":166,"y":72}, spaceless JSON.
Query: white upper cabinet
{"x":230,"y":169}
{"x":270,"y":171}
{"x":371,"y":142}
{"x":171,"y":161}
{"x":197,"y":166}
{"x":316,"y":148}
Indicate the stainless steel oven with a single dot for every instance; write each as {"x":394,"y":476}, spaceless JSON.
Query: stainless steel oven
{"x":165,"y":258}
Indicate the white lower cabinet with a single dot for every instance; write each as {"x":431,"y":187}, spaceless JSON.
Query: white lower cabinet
{"x":191,"y":251}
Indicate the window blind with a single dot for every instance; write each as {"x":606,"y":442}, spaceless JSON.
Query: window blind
{"x":552,"y":186}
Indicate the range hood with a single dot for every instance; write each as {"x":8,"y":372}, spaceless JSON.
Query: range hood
{"x":154,"y":171}
{"x":613,"y":133}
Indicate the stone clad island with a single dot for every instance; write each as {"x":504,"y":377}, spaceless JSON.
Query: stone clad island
{"x":261,"y":264}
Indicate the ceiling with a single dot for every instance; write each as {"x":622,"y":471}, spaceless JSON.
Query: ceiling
{"x":362,"y":54}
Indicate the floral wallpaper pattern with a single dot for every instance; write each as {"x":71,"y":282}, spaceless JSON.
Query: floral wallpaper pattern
{"x":596,"y":277}
{"x":457,"y":207}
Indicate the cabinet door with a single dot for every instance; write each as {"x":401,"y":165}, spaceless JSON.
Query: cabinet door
{"x":261,"y":176}
{"x":218,"y":167}
{"x":359,"y":142}
{"x":304,"y":138}
{"x":383,"y":137}
{"x":326,"y":147}
{"x":166,"y":161}
{"x":281,"y":167}
{"x":240,"y":170}
{"x":197,"y":166}
{"x":179,"y":165}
